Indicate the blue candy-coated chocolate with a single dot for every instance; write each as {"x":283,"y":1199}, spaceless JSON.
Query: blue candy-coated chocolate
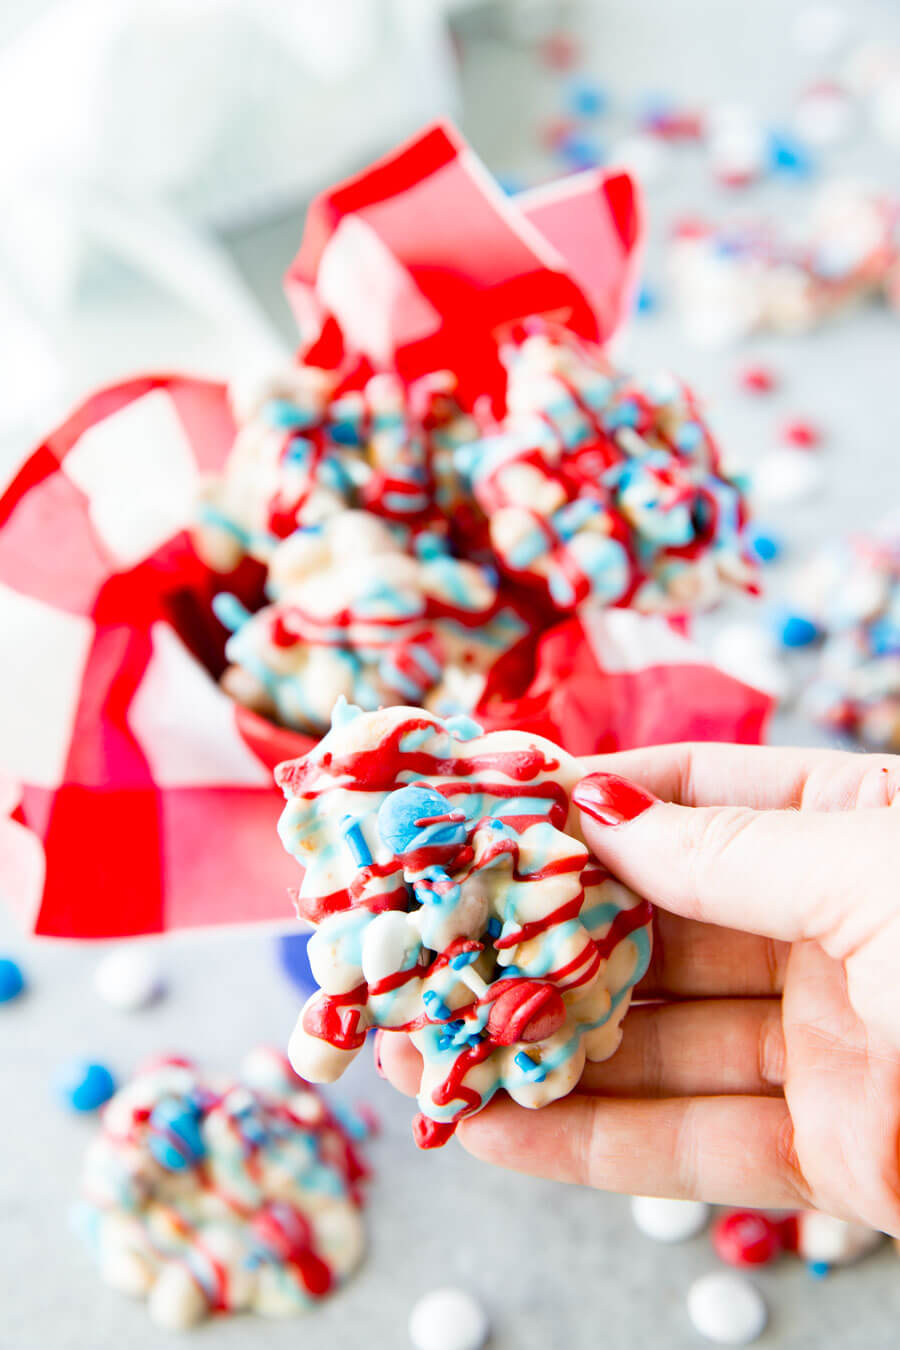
{"x":765,"y":545}
{"x":794,"y":630}
{"x":399,"y":816}
{"x":83,"y":1085}
{"x":173,"y":1135}
{"x":12,"y":981}
{"x":294,"y":959}
{"x":586,"y":98}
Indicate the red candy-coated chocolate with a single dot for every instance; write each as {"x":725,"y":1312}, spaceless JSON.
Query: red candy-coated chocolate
{"x":747,"y":1238}
{"x":758,"y":379}
{"x":805,"y":435}
{"x":526,"y":1011}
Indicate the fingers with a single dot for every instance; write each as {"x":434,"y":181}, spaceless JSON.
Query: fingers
{"x":700,"y":960}
{"x":400,"y":1061}
{"x":761,"y":776}
{"x":781,"y":874}
{"x":695,"y":1050}
{"x":726,"y":1150}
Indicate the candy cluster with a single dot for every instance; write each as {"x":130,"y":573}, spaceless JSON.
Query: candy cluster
{"x":850,"y":594}
{"x":732,"y":280}
{"x":454,"y":900}
{"x":208,"y":1195}
{"x":604,"y":487}
{"x":408,"y":545}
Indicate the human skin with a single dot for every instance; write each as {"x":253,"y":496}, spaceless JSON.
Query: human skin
{"x":763,"y":1066}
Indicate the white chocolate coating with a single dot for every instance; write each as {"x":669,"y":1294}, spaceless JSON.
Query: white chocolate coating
{"x":492,"y":937}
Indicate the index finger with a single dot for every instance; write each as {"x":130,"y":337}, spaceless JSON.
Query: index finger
{"x":765,"y":777}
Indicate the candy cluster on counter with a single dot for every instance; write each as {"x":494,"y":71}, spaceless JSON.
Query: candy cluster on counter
{"x":208,"y":1195}
{"x":848,"y":596}
{"x":733,"y":279}
{"x":454,"y":900}
{"x":408,"y":544}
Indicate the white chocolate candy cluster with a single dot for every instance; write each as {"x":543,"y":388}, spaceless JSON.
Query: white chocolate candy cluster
{"x":455,"y":900}
{"x":360,"y":616}
{"x":310,"y":444}
{"x":406,"y":551}
{"x":851,"y":593}
{"x":205,"y":1195}
{"x":733,"y":280}
{"x":606,"y":488}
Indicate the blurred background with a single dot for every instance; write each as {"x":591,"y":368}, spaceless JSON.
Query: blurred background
{"x":157,"y":160}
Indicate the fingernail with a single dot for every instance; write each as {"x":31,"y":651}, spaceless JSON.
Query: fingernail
{"x":379,"y":1067}
{"x":611,"y":800}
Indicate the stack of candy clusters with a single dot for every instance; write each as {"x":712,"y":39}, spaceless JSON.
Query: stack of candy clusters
{"x":454,"y":900}
{"x":850,"y":594}
{"x":733,"y":280}
{"x":207,"y":1195}
{"x":409,"y":544}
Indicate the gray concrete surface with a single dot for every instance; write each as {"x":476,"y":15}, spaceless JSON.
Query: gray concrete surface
{"x":556,"y":1266}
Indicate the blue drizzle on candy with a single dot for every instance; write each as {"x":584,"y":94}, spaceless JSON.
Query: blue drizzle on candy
{"x":403,"y":821}
{"x":173,"y":1135}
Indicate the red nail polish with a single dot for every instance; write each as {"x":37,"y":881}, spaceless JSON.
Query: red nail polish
{"x":379,"y":1067}
{"x":611,"y":800}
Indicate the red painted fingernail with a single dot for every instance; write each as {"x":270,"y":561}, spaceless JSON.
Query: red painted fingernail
{"x":379,"y":1067}
{"x":611,"y":800}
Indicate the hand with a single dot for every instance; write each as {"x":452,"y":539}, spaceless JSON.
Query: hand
{"x":766,"y":1069}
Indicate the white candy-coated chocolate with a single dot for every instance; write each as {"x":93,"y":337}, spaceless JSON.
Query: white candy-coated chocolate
{"x":726,"y":1308}
{"x":669,"y":1220}
{"x":448,"y":1319}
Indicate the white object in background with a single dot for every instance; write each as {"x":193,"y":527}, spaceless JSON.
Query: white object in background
{"x":223,"y":108}
{"x":647,"y":157}
{"x":129,"y":978}
{"x":784,"y":477}
{"x":726,"y":1308}
{"x":819,"y":30}
{"x":448,"y":1319}
{"x":823,"y":1240}
{"x":748,"y":651}
{"x":669,"y":1220}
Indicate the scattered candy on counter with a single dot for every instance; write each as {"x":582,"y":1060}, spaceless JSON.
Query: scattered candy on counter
{"x":784,"y":477}
{"x":669,"y":1220}
{"x":802,"y":433}
{"x":207,"y":1195}
{"x":747,"y":1237}
{"x":764,"y":543}
{"x":448,"y":1319}
{"x":83,"y":1085}
{"x":794,"y":630}
{"x":758,"y":379}
{"x":451,"y":904}
{"x":12,"y":980}
{"x":293,"y":957}
{"x":726,"y":1308}
{"x":129,"y":978}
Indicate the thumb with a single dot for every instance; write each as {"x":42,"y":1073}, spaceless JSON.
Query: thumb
{"x":781,"y":874}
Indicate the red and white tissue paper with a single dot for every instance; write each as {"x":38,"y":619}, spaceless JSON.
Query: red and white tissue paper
{"x":135,"y":797}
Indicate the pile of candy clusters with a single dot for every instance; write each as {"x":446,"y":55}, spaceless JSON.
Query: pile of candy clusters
{"x":732,"y":280}
{"x":208,"y":1195}
{"x":409,"y":544}
{"x":454,"y":900}
{"x":850,"y":594}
